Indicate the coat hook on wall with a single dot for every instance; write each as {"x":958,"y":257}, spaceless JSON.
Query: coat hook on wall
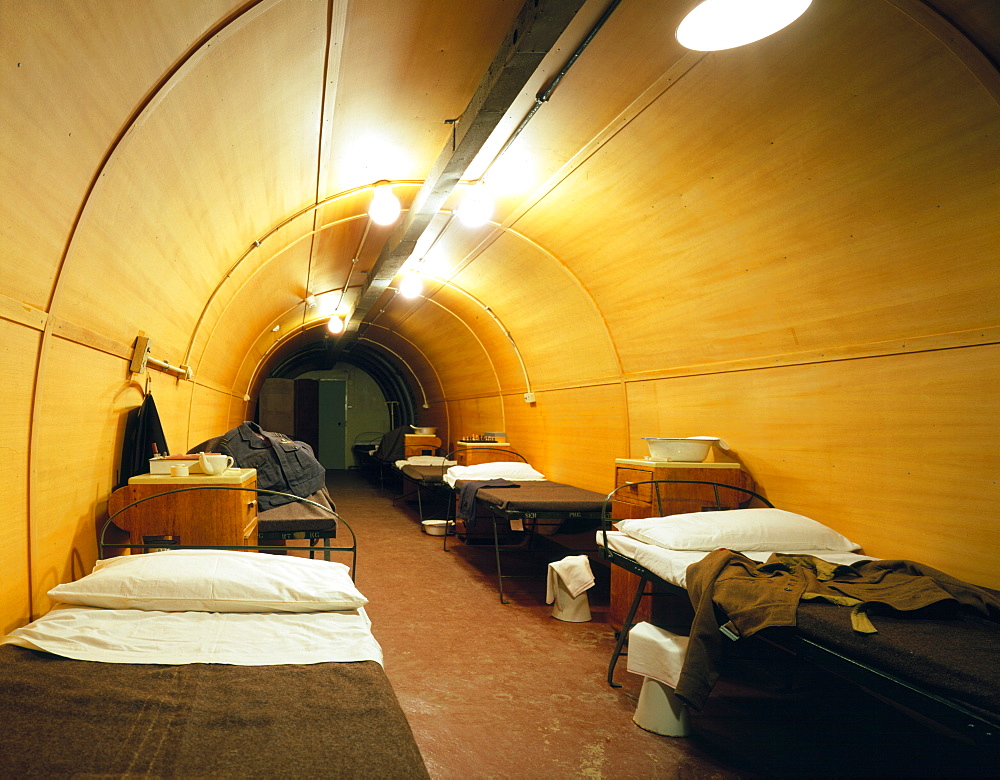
{"x":141,"y":359}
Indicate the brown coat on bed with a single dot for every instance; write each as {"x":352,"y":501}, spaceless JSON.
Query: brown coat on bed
{"x":753,"y":596}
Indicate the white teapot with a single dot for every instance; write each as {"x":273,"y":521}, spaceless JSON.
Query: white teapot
{"x":214,"y":462}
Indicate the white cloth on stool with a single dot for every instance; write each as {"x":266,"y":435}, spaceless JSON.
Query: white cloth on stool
{"x":655,"y":652}
{"x":575,"y":573}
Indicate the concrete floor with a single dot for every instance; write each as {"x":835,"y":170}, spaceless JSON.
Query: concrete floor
{"x":506,"y":691}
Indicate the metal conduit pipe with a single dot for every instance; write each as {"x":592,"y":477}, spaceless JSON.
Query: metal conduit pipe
{"x":546,"y":94}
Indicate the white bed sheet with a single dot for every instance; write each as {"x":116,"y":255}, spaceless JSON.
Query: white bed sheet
{"x":426,"y":460}
{"x":671,"y":565}
{"x":241,"y":639}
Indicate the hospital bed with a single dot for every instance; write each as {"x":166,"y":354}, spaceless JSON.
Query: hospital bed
{"x":517,"y":504}
{"x":946,"y":671}
{"x":203,"y":663}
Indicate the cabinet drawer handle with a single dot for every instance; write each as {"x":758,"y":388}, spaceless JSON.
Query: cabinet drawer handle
{"x":251,"y":503}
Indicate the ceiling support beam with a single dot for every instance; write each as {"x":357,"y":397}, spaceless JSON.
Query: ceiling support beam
{"x":538,"y":26}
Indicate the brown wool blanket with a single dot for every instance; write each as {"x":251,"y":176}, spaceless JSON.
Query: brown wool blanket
{"x":65,"y":718}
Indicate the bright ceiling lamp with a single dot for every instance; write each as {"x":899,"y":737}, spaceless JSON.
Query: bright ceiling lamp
{"x":335,"y":325}
{"x":724,"y":24}
{"x":476,"y":208}
{"x":411,"y":286}
{"x":384,"y":208}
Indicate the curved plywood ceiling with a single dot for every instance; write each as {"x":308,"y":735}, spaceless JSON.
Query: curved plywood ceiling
{"x":236,"y":150}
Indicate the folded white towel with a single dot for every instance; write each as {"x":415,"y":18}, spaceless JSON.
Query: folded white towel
{"x":655,"y":652}
{"x":575,"y":573}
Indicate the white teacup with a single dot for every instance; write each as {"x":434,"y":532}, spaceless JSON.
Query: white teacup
{"x":214,"y":462}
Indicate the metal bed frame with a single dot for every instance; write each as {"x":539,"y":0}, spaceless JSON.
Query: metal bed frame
{"x":361,"y":442}
{"x":440,"y":484}
{"x":530,"y":521}
{"x":878,"y":682}
{"x":103,"y":546}
{"x":450,"y":526}
{"x":420,"y":483}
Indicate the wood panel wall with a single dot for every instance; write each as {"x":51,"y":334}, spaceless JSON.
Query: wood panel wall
{"x":792,"y":246}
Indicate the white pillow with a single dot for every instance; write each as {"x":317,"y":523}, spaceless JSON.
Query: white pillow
{"x":741,"y":530}
{"x":214,"y":581}
{"x":513,"y":470}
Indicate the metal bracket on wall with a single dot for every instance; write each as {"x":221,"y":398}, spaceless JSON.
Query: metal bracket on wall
{"x":141,"y":359}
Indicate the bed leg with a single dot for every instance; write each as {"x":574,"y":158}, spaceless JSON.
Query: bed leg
{"x":496,"y":548}
{"x":626,"y":627}
{"x":447,"y":515}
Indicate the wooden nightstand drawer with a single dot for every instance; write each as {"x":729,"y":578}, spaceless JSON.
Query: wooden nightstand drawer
{"x":633,"y":493}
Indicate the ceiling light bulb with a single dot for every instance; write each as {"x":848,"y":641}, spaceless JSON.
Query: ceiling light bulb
{"x":724,"y":24}
{"x":476,"y":208}
{"x":335,"y":325}
{"x":384,"y":208}
{"x":411,"y":286}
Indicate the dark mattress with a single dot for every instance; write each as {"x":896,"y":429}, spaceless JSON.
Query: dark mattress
{"x":427,"y":475}
{"x":956,"y":658}
{"x":81,"y":718}
{"x":543,"y":496}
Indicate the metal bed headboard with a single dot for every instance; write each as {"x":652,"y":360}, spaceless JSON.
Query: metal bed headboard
{"x":607,"y":520}
{"x":504,"y":450}
{"x":326,"y":549}
{"x":630,"y":565}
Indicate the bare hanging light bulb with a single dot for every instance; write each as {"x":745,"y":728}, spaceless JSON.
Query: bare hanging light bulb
{"x":713,"y":25}
{"x":411,"y":286}
{"x":335,"y":325}
{"x":476,"y":208}
{"x":384,"y":208}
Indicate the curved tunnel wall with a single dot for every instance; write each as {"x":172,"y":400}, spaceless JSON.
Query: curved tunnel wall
{"x":792,"y":247}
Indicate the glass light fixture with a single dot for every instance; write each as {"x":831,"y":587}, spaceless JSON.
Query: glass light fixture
{"x":335,"y":325}
{"x":411,"y":286}
{"x":384,"y":208}
{"x":714,"y":25}
{"x":476,"y":208}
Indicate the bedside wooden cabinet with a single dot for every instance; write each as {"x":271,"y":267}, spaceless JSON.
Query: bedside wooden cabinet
{"x":198,"y":517}
{"x":415,"y":444}
{"x":474,"y":453}
{"x":664,"y":609}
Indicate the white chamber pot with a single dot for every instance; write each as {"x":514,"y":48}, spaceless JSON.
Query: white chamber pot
{"x":435,"y":527}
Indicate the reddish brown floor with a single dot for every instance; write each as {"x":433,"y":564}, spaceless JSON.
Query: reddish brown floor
{"x":506,"y":691}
